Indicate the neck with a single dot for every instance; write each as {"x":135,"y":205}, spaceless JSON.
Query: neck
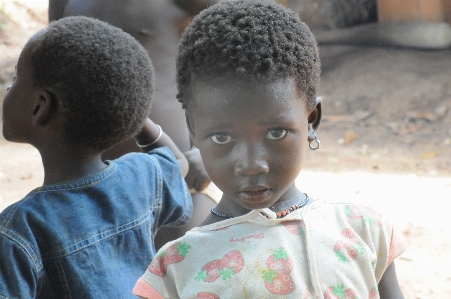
{"x":229,"y":208}
{"x":290,"y":198}
{"x":65,"y":163}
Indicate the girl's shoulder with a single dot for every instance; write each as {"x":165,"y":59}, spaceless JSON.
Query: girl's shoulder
{"x":359,"y":218}
{"x":352,"y":210}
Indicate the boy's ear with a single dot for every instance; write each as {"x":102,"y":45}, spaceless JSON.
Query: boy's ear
{"x":314,"y":119}
{"x":190,"y":125}
{"x":44,"y":107}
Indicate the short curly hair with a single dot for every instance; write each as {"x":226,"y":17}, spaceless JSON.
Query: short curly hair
{"x":259,"y":39}
{"x":102,"y":76}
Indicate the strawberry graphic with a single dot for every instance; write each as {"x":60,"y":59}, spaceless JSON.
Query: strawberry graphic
{"x":351,"y":294}
{"x":338,"y":292}
{"x":278,"y":282}
{"x":206,"y":295}
{"x":295,"y":227}
{"x":335,"y":292}
{"x":158,"y":266}
{"x":210,"y":271}
{"x":280,"y":261}
{"x":277,"y":277}
{"x":374,"y":293}
{"x":349,"y":246}
{"x":348,"y":233}
{"x":343,"y":250}
{"x":233,"y":260}
{"x":308,"y":295}
{"x":175,"y":253}
{"x":230,"y":264}
{"x":367,"y":214}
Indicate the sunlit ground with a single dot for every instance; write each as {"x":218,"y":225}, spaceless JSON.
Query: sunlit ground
{"x":31,"y":3}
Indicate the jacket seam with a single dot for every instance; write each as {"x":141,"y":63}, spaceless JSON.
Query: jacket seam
{"x":62,"y":278}
{"x":103,"y":235}
{"x":22,"y":243}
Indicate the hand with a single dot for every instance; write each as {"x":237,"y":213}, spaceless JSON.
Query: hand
{"x":197,"y":176}
{"x":152,"y":136}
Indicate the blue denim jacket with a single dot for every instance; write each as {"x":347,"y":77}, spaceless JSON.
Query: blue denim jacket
{"x":92,"y":237}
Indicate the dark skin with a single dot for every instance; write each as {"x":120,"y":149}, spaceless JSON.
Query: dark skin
{"x":42,"y":121}
{"x":256,"y":167}
{"x":157,"y":25}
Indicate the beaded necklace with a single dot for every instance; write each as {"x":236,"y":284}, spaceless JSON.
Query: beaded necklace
{"x":279,"y":214}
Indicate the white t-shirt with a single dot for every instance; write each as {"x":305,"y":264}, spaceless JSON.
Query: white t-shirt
{"x":322,"y":250}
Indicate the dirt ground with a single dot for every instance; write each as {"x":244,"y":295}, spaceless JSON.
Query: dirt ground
{"x":385,"y":142}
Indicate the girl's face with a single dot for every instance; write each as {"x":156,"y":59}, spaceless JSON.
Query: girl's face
{"x":252,"y":137}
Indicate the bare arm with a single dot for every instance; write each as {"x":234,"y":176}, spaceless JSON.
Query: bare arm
{"x":193,"y":7}
{"x":56,"y":9}
{"x":150,"y":132}
{"x":197,"y":176}
{"x":389,"y":286}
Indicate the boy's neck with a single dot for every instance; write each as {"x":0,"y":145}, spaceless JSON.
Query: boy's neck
{"x":66,"y":163}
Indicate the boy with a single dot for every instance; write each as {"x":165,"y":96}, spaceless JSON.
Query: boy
{"x":82,"y":86}
{"x":157,"y":26}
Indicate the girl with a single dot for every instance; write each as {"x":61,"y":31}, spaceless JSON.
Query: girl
{"x":248,"y":73}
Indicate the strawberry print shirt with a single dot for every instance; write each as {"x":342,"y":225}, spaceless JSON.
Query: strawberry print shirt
{"x":324,"y":250}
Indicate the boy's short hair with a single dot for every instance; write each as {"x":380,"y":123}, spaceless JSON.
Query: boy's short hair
{"x":258,"y":39}
{"x":102,"y":76}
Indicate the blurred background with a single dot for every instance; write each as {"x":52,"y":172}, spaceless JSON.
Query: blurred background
{"x":386,"y":129}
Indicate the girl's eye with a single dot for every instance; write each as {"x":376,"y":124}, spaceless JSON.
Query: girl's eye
{"x":275,"y":134}
{"x":221,"y":138}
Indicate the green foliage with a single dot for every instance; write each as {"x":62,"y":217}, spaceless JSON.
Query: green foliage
{"x":2,"y":10}
{"x":3,"y":14}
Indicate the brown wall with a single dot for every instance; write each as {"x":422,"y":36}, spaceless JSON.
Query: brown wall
{"x":447,"y":6}
{"x":414,"y":10}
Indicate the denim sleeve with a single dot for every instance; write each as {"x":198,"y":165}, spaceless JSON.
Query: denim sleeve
{"x":176,"y":204}
{"x":18,"y":272}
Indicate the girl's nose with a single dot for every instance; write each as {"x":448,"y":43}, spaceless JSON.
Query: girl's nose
{"x":250,"y":160}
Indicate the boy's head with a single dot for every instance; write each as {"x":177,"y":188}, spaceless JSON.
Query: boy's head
{"x":260,"y":40}
{"x":248,"y":71}
{"x":99,"y":77}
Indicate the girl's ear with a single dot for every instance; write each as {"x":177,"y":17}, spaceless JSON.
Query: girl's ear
{"x":314,"y":119}
{"x":190,"y":125}
{"x":44,"y":107}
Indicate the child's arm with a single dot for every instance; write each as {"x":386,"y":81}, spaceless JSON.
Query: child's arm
{"x":197,"y":176}
{"x":388,"y":286}
{"x":56,"y":9}
{"x":153,"y":136}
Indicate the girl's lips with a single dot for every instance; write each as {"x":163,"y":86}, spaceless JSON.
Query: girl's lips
{"x":255,"y":196}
